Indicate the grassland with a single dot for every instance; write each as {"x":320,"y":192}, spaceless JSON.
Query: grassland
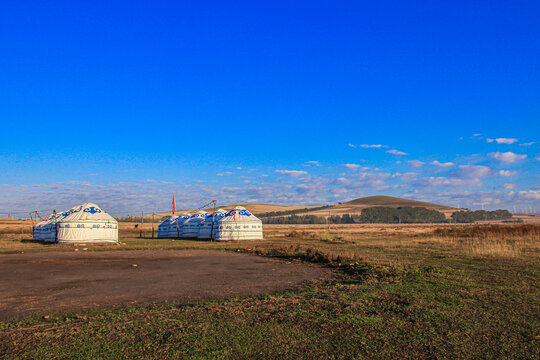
{"x":396,"y":292}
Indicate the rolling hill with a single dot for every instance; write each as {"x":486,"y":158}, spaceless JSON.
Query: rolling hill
{"x":350,"y":207}
{"x":355,"y":206}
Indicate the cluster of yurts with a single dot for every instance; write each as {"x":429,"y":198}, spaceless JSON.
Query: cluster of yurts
{"x":89,"y":223}
{"x":236,"y":224}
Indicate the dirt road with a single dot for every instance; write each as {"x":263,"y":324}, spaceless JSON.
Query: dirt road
{"x":53,"y":282}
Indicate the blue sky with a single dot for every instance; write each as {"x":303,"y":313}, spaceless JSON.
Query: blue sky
{"x":121,"y":103}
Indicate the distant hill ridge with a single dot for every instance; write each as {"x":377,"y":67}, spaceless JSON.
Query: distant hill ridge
{"x":350,"y":207}
{"x":382,"y":200}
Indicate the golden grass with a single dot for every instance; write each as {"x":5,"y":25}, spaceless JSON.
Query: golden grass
{"x":350,"y":242}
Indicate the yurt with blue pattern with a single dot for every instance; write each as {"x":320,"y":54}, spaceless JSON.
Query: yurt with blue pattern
{"x":176,"y":226}
{"x":239,"y":224}
{"x":205,"y":227}
{"x":86,"y":223}
{"x":191,"y":226}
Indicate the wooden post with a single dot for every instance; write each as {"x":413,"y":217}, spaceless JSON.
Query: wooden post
{"x":213,"y":219}
{"x":33,"y":224}
{"x":55,"y":227}
{"x":142,"y":223}
{"x":152,"y":225}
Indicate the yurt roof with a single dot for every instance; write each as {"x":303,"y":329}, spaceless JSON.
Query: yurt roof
{"x":239,"y":213}
{"x":198,"y":216}
{"x":183,"y":218}
{"x":88,"y":212}
{"x":219,"y":213}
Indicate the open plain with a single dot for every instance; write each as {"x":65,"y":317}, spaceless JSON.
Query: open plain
{"x":387,"y":291}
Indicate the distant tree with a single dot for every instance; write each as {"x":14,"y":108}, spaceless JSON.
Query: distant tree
{"x":403,"y":215}
{"x":479,"y":215}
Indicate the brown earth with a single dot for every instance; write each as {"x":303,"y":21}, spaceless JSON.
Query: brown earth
{"x":56,"y":282}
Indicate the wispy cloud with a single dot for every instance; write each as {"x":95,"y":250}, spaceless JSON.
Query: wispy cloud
{"x":441,"y":181}
{"x":502,"y":140}
{"x":293,"y":173}
{"x":473,"y":171}
{"x":354,"y":167}
{"x":396,"y":152}
{"x":226,"y":173}
{"x":313,"y":162}
{"x":507,"y":157}
{"x":406,"y":177}
{"x":375,"y":146}
{"x":416,"y":163}
{"x":507,"y":172}
{"x":530,"y":194}
{"x":440,"y":164}
{"x":527,"y":144}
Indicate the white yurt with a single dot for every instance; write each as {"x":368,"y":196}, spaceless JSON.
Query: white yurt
{"x":87,"y":223}
{"x":39,"y":229}
{"x":205,"y":227}
{"x":49,"y":229}
{"x":191,"y":226}
{"x":169,"y":226}
{"x":176,"y":225}
{"x":163,"y":228}
{"x":239,"y":224}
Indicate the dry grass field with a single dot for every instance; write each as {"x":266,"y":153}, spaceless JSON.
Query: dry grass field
{"x":396,"y":291}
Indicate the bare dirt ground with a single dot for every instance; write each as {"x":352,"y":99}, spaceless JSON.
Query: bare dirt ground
{"x":44,"y":283}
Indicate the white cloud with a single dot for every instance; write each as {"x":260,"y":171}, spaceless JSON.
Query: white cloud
{"x":508,"y":157}
{"x":527,"y":144}
{"x":354,"y":167}
{"x":476,"y":135}
{"x":376,"y":146}
{"x":226,"y":173}
{"x":313,"y":162}
{"x":530,"y":195}
{"x":446,"y":164}
{"x":396,"y":152}
{"x":352,"y":145}
{"x":416,"y":163}
{"x":490,"y":140}
{"x":446,"y":181}
{"x":509,"y":186}
{"x":507,"y":172}
{"x":292,"y":172}
{"x":473,"y":171}
{"x":408,"y":176}
{"x":504,"y":140}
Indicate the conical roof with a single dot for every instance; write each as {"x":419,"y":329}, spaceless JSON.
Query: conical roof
{"x":239,"y":213}
{"x":218,"y":214}
{"x":87,"y":212}
{"x":182,"y":218}
{"x":196,"y":218}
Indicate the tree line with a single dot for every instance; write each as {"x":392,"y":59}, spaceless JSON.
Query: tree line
{"x":479,"y":215}
{"x":390,"y":215}
{"x":291,"y":212}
